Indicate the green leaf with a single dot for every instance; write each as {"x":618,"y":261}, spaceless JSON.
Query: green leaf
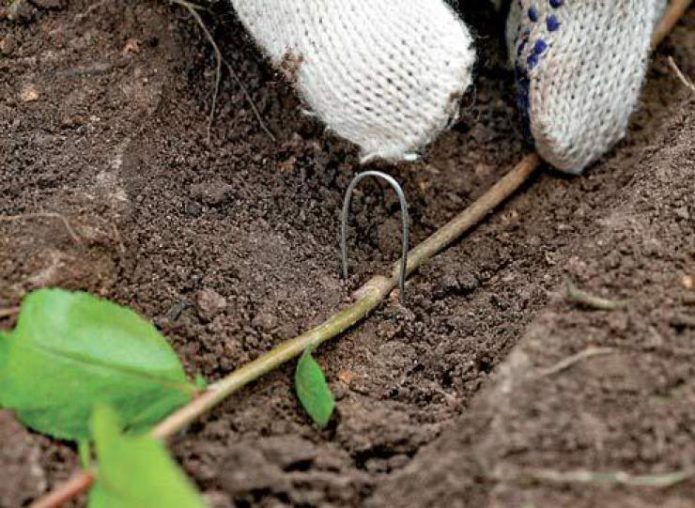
{"x":4,"y":346}
{"x":200,"y":382}
{"x":312,"y":390}
{"x":135,"y":471}
{"x":71,"y":351}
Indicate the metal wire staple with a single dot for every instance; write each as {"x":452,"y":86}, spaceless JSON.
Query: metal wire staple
{"x":404,"y":220}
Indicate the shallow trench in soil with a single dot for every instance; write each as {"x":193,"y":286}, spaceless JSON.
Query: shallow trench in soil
{"x":230,"y":245}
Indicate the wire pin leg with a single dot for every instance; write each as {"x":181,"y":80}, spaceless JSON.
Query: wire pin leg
{"x":404,"y":219}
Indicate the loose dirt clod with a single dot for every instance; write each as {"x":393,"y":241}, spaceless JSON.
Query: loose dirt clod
{"x":7,"y":45}
{"x":29,"y":93}
{"x":289,"y":65}
{"x":132,"y":46}
{"x":210,"y":303}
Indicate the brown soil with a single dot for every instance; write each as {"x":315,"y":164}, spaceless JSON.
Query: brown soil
{"x":230,"y":245}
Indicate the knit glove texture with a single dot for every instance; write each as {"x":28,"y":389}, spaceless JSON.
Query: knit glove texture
{"x":388,"y":74}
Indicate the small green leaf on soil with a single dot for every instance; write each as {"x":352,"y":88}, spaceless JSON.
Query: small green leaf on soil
{"x":312,"y":390}
{"x":135,"y":471}
{"x":72,"y":351}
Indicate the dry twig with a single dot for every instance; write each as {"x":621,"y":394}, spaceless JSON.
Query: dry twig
{"x":568,"y":362}
{"x":249,"y":99}
{"x":219,"y":60}
{"x":582,"y":476}
{"x":688,"y":84}
{"x":191,"y":8}
{"x":576,"y":295}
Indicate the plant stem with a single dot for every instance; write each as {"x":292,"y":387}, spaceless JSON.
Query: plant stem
{"x":289,"y":349}
{"x":673,"y":13}
{"x":471,"y":216}
{"x":367,"y":298}
{"x":68,"y":491}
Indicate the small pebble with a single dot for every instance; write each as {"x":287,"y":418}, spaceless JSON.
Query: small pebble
{"x":211,"y":193}
{"x":265,"y":320}
{"x":29,"y":93}
{"x":132,"y":46}
{"x":7,"y":45}
{"x":210,"y":303}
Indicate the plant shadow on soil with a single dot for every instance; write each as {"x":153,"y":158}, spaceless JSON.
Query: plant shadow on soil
{"x":232,"y":246}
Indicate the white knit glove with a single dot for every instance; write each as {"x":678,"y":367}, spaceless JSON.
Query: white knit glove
{"x":388,"y":74}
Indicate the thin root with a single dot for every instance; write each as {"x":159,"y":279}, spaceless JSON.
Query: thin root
{"x":249,"y":99}
{"x":688,"y":84}
{"x":568,"y":362}
{"x":659,"y":481}
{"x":576,"y":295}
{"x":219,"y":60}
{"x":192,"y":10}
{"x":40,"y":215}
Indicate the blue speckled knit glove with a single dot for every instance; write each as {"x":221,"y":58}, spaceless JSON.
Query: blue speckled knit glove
{"x":580,"y":65}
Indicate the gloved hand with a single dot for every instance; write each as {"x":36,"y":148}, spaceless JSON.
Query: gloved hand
{"x":388,"y":74}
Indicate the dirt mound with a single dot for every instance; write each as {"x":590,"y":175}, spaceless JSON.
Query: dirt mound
{"x":591,"y":390}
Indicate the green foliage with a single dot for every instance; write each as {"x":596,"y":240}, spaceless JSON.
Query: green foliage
{"x":200,"y":382}
{"x":312,"y":390}
{"x":135,"y":471}
{"x":72,"y":351}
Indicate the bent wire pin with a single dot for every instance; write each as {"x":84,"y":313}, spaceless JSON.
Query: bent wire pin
{"x":404,"y":220}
